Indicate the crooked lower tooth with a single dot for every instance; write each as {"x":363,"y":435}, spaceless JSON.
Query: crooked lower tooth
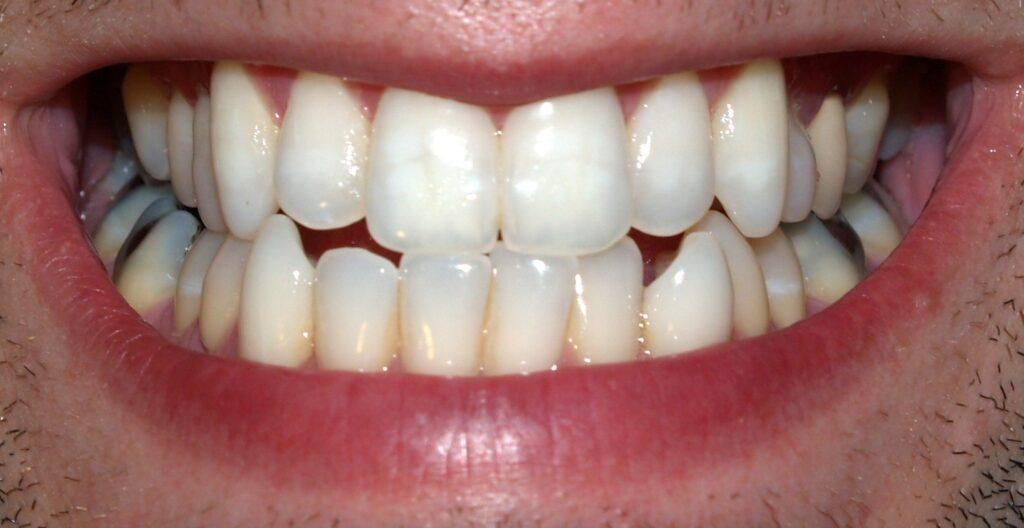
{"x":180,"y":117}
{"x":119,"y":221}
{"x":207,"y":195}
{"x":783,"y":278}
{"x":356,"y":311}
{"x":878,"y":232}
{"x":866,"y":116}
{"x":690,"y":306}
{"x":605,"y":324}
{"x":189,"y":294}
{"x":803,"y":174}
{"x":433,"y":175}
{"x":146,"y":107}
{"x":670,"y":158}
{"x":828,"y":268}
{"x":827,"y":132}
{"x":150,"y":273}
{"x":322,"y":157}
{"x":442,"y":300}
{"x":566,"y":188}
{"x":222,"y":293}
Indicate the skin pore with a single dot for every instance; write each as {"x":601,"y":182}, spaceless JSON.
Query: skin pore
{"x":931,"y":436}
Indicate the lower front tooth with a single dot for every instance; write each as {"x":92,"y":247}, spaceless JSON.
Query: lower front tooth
{"x":146,"y":107}
{"x":865,"y":122}
{"x":119,"y":221}
{"x":275,"y":324}
{"x":180,"y":117}
{"x":827,"y":132}
{"x":222,"y":293}
{"x":828,"y":268}
{"x":605,"y":325}
{"x":803,"y":175}
{"x":527,"y":312}
{"x":150,"y":274}
{"x":878,"y":232}
{"x":783,"y":278}
{"x":188,"y":297}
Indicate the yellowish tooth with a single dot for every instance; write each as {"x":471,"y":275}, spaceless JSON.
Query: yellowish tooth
{"x":783,"y":278}
{"x":803,"y":175}
{"x":189,"y":295}
{"x":222,"y":293}
{"x":878,"y":232}
{"x":180,"y":118}
{"x":150,"y":273}
{"x":866,"y":116}
{"x":146,"y":107}
{"x":828,"y":139}
{"x":828,"y":268}
{"x":119,"y":221}
{"x":207,"y":195}
{"x":605,"y":325}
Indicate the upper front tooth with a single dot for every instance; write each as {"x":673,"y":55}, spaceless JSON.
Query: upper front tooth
{"x":671,"y":166}
{"x":188,"y":297}
{"x":322,"y":157}
{"x":180,"y":117}
{"x":878,"y":232}
{"x":803,"y":174}
{"x":783,"y":278}
{"x":222,"y":293}
{"x":750,"y":140}
{"x":244,"y":138}
{"x":146,"y":105}
{"x":605,"y":323}
{"x":829,"y":269}
{"x":150,"y":274}
{"x":119,"y":221}
{"x":433,"y":181}
{"x":566,"y":188}
{"x":828,"y":139}
{"x":865,"y":121}
{"x":207,"y":195}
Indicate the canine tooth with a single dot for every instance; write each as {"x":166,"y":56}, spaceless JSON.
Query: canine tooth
{"x":750,"y":300}
{"x":180,"y":116}
{"x":433,"y":169}
{"x":605,"y":324}
{"x":442,"y":300}
{"x":356,"y":310}
{"x":865,"y":122}
{"x":119,"y":221}
{"x":527,"y":312}
{"x":244,"y":138}
{"x":690,"y":306}
{"x":783,"y":278}
{"x":566,"y":188}
{"x":878,"y":232}
{"x":207,"y":195}
{"x":803,"y":175}
{"x":150,"y":274}
{"x":828,"y":268}
{"x":189,"y":294}
{"x":749,"y":141}
{"x":222,"y":293}
{"x":322,"y":156}
{"x":275,"y":324}
{"x":670,"y":158}
{"x":827,"y":132}
{"x":146,"y":106}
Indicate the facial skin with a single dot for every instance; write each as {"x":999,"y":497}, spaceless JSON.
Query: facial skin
{"x":929,"y":434}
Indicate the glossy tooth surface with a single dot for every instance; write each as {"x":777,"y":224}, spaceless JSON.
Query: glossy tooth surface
{"x":670,"y":157}
{"x":150,"y":274}
{"x":527,"y":312}
{"x":442,"y":300}
{"x":878,"y":232}
{"x":244,"y":139}
{"x":275,"y":323}
{"x":189,"y":295}
{"x":222,"y":293}
{"x":180,"y":117}
{"x":803,"y":175}
{"x":866,"y":116}
{"x":356,"y":310}
{"x":783,"y":278}
{"x":690,"y":305}
{"x":827,"y":132}
{"x":566,"y":188}
{"x":605,"y":323}
{"x":750,"y":300}
{"x":750,"y":141}
{"x":119,"y":221}
{"x":207,"y":195}
{"x":828,"y":269}
{"x":146,"y":107}
{"x":321,"y":162}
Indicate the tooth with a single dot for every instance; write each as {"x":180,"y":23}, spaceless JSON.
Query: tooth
{"x":605,"y":325}
{"x":244,"y":138}
{"x":322,"y":157}
{"x":119,"y":221}
{"x":356,"y":310}
{"x":222,"y":293}
{"x":878,"y":232}
{"x":905,"y":102}
{"x":566,"y":189}
{"x":803,"y":175}
{"x":188,"y":296}
{"x":670,"y":158}
{"x":123,"y":171}
{"x":527,"y":312}
{"x":207,"y":196}
{"x":783,"y":278}
{"x":829,"y":270}
{"x":865,"y":121}
{"x":275,"y":323}
{"x":749,"y":141}
{"x":180,"y":117}
{"x":750,"y":300}
{"x":433,"y":169}
{"x":827,"y":132}
{"x":442,"y":300}
{"x":150,"y":274}
{"x":690,"y":306}
{"x":146,"y":105}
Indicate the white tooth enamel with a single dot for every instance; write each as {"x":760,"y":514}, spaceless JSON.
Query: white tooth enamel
{"x":827,"y":132}
{"x":690,"y":306}
{"x":828,"y":268}
{"x":442,"y":302}
{"x":356,"y":311}
{"x":783,"y":278}
{"x":527,"y":312}
{"x":566,"y":189}
{"x":866,"y":116}
{"x":222,"y":293}
{"x":119,"y":221}
{"x":189,"y":295}
{"x":244,"y":138}
{"x":670,"y":157}
{"x":275,"y":323}
{"x":605,"y":324}
{"x":146,"y":105}
{"x":878,"y":232}
{"x":322,"y":157}
{"x":803,"y":174}
{"x":207,"y":195}
{"x":180,"y":117}
{"x":433,"y":175}
{"x":750,"y":141}
{"x":750,"y":300}
{"x":150,"y":274}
